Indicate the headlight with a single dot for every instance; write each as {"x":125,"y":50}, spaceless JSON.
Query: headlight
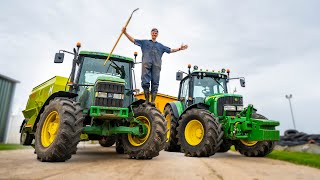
{"x":118,"y":96}
{"x":101,"y":94}
{"x":229,"y":108}
{"x":109,"y":95}
{"x":239,"y":108}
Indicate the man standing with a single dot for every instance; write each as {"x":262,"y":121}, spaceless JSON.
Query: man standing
{"x":152,"y":52}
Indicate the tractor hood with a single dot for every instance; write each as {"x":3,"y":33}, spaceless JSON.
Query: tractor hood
{"x":219,"y":102}
{"x":208,"y":100}
{"x":114,"y":79}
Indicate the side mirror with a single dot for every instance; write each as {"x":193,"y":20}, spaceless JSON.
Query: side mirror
{"x":58,"y":58}
{"x":179,"y":76}
{"x":242,"y":83}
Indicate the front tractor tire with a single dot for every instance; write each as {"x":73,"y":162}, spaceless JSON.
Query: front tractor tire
{"x":107,"y":141}
{"x":58,"y":130}
{"x":149,"y":145}
{"x":254,"y":148}
{"x":199,"y":133}
{"x":171,"y":144}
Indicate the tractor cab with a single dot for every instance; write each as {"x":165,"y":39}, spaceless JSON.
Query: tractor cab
{"x":201,"y":85}
{"x":208,"y":84}
{"x":100,"y":83}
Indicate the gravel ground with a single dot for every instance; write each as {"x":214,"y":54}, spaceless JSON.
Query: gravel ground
{"x":95,"y":162}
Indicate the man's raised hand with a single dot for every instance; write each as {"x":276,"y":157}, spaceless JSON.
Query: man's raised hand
{"x":183,"y":47}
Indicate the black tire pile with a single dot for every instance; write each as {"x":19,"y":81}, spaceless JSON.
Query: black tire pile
{"x":293,"y":137}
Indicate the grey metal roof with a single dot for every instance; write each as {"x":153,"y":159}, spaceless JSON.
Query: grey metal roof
{"x":9,"y":79}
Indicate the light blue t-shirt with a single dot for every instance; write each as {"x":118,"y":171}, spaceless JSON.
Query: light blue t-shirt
{"x":152,"y":51}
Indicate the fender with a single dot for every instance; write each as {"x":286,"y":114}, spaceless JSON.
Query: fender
{"x":54,"y":95}
{"x":174,"y":109}
{"x":198,"y":106}
{"x":23,"y":123}
{"x":136,"y":103}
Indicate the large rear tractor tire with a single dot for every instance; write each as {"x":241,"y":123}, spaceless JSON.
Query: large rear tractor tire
{"x":58,"y":130}
{"x":107,"y":141}
{"x":199,"y":133}
{"x":254,"y":148}
{"x":171,"y":144}
{"x":149,"y":145}
{"x":25,"y":137}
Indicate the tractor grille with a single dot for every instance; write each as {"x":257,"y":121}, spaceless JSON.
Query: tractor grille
{"x":110,"y":87}
{"x":113,"y":90}
{"x":229,"y":100}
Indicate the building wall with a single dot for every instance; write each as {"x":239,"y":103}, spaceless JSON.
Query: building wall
{"x":7,"y":87}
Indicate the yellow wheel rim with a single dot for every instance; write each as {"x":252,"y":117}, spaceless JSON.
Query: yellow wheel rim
{"x":194,"y":132}
{"x":168,"y":118}
{"x":248,"y":143}
{"x":50,"y":128}
{"x":136,"y":140}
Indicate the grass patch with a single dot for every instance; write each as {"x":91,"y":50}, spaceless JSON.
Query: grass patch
{"x":302,"y":158}
{"x":12,"y":146}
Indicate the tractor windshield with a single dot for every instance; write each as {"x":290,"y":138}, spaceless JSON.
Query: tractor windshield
{"x":92,"y":68}
{"x":208,"y":86}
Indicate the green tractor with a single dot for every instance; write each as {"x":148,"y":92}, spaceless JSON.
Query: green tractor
{"x":95,"y":103}
{"x":207,"y":119}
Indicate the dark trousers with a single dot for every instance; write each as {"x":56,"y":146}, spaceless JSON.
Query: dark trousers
{"x":150,"y":72}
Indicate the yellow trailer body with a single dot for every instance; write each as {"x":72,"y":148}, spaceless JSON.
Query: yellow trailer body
{"x":161,"y":100}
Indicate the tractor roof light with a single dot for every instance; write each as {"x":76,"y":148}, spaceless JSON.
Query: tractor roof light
{"x":223,"y":70}
{"x":78,"y":44}
{"x":228,"y":71}
{"x":70,"y":83}
{"x":135,"y":57}
{"x":189,"y":66}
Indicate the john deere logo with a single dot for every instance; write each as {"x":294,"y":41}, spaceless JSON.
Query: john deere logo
{"x":236,"y":99}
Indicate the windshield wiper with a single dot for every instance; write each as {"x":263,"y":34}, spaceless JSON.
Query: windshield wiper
{"x":119,"y":70}
{"x":219,"y":84}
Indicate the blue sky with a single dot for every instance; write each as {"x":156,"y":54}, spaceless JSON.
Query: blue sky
{"x":274,"y":44}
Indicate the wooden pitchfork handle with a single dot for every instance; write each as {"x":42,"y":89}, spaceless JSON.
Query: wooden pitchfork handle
{"x":119,"y":37}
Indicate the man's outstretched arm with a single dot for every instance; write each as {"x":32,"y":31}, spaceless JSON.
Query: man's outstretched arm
{"x":128,"y":36}
{"x":183,"y":47}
